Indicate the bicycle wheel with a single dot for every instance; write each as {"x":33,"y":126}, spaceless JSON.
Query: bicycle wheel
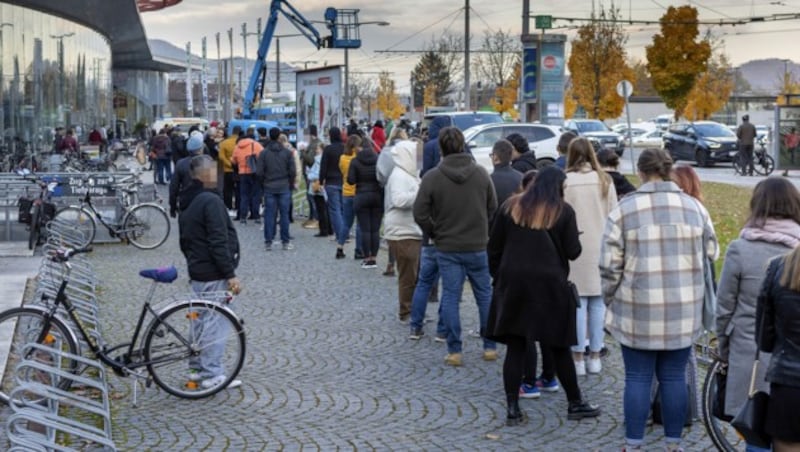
{"x":27,"y":325}
{"x":737,"y":164}
{"x":83,"y":222}
{"x":185,"y":336}
{"x":722,"y":434}
{"x":35,"y":228}
{"x":146,"y":226}
{"x":765,"y":164}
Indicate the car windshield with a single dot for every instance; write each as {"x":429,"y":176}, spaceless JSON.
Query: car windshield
{"x":591,"y":126}
{"x":713,"y":130}
{"x":464,"y":122}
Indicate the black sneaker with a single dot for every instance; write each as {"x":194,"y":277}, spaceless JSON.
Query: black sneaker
{"x":340,"y":253}
{"x":268,"y":246}
{"x":579,"y":410}
{"x":358,"y":255}
{"x":416,"y":334}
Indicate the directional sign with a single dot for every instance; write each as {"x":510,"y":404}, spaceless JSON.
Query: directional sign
{"x":544,"y":22}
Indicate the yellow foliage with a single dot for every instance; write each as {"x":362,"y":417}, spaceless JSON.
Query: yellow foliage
{"x":790,"y":86}
{"x":429,"y":95}
{"x":387,"y":100}
{"x":570,"y":104}
{"x":711,"y":90}
{"x":505,"y":96}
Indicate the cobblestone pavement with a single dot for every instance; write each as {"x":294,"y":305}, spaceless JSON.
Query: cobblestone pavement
{"x":330,"y":367}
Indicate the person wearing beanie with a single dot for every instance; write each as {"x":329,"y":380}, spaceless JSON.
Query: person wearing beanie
{"x":183,"y":176}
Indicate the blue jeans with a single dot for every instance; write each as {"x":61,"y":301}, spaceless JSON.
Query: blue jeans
{"x":249,"y":197}
{"x":163,"y":170}
{"x":455,"y":268}
{"x":335,"y":213}
{"x":349,"y":217}
{"x":209,"y":332}
{"x":274,"y":203}
{"x":426,"y":280}
{"x":597,"y":314}
{"x":669,"y":366}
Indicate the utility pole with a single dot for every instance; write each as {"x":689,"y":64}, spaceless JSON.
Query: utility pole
{"x":244,"y":41}
{"x":230,"y":76}
{"x":526,"y":30}
{"x":219,"y":74}
{"x":466,"y":56}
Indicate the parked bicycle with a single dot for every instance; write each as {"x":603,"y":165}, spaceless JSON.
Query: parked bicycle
{"x":179,"y":334}
{"x":143,"y":225}
{"x":720,"y":431}
{"x":763,"y":163}
{"x":37,"y":211}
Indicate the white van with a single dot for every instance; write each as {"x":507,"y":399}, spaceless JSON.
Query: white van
{"x":182,"y":124}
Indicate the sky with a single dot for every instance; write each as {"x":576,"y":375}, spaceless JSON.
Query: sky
{"x":414,"y":23}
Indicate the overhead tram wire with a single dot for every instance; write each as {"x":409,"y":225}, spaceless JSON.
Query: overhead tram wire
{"x":734,"y":21}
{"x":427,"y":27}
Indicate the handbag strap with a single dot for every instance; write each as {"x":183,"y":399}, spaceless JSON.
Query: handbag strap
{"x":561,"y":256}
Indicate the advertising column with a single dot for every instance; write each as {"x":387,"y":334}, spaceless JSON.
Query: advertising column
{"x":319,"y":100}
{"x":551,"y":83}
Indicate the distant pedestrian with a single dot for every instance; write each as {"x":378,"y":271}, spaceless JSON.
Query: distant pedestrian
{"x":182,"y":178}
{"x":746,"y":134}
{"x":351,"y":148}
{"x":226,"y":148}
{"x":561,"y":147}
{"x":368,"y":201}
{"x":244,"y":159}
{"x":523,"y":159}
{"x":317,"y":192}
{"x":609,"y":162}
{"x":505,"y":178}
{"x":331,"y":178}
{"x":378,"y":136}
{"x":160,"y":149}
{"x":276,"y":172}
{"x":453,"y":206}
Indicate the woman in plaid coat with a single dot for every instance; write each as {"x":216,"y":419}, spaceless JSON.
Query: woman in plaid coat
{"x":651,"y":265}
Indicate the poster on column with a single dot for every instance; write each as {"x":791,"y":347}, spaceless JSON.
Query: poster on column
{"x":552,"y":80}
{"x":319,"y":100}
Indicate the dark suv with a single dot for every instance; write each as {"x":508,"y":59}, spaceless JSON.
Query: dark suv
{"x":464,"y":119}
{"x":705,"y":142}
{"x":598,"y":133}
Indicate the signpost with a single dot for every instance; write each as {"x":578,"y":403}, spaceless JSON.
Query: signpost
{"x":544,"y":22}
{"x":624,"y":89}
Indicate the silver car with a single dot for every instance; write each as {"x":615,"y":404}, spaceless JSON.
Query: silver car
{"x":542,"y":140}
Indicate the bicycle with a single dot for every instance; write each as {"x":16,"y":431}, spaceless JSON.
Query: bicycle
{"x":143,"y":225}
{"x":763,"y":163}
{"x":722,"y":434}
{"x":40,"y":208}
{"x":179,"y":335}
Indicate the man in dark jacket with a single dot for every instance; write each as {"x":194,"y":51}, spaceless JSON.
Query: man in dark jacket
{"x":505,"y":178}
{"x":208,"y":241}
{"x":276,"y":171}
{"x":330,"y":176}
{"x":182,"y":178}
{"x":453,"y":207}
{"x":430,"y":151}
{"x":522,"y":158}
{"x":746,"y":133}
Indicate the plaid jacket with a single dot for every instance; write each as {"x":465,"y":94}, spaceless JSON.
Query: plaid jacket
{"x":651,"y":265}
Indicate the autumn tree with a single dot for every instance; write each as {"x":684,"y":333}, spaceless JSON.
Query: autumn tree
{"x":789,"y":85}
{"x":642,"y":83}
{"x":499,"y":57}
{"x":570,"y":104}
{"x":388,"y":101}
{"x":362,"y":91}
{"x":505,"y":96}
{"x":598,"y":63}
{"x":450,"y":48}
{"x":676,"y":57}
{"x":429,"y":95}
{"x":431,"y":72}
{"x":711,"y":90}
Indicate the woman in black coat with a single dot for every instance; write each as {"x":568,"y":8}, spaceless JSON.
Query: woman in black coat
{"x":368,"y":202}
{"x":533,"y":235}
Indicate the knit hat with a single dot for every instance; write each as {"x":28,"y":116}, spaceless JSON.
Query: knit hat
{"x":195,"y":143}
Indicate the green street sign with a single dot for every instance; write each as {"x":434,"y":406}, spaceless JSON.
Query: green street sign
{"x":544,"y":22}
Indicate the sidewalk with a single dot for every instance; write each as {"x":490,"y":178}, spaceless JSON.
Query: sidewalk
{"x":17,"y":264}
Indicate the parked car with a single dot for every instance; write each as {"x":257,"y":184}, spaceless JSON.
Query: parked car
{"x":663,"y":121}
{"x":542,"y":139}
{"x":465,"y":119}
{"x":705,"y":142}
{"x":597,"y":130}
{"x":637,"y":128}
{"x":653,"y":138}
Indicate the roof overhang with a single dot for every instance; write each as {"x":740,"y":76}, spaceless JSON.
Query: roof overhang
{"x":117,"y":20}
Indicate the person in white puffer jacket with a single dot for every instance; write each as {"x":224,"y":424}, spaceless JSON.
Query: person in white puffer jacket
{"x":399,"y":228}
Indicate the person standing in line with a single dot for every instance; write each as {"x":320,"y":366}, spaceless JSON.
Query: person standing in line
{"x":378,"y":136}
{"x":161,"y":148}
{"x":401,"y":232}
{"x":318,"y":195}
{"x":308,"y":154}
{"x":609,"y":162}
{"x":772,"y":230}
{"x":505,"y":178}
{"x":384,"y":169}
{"x":522,"y":158}
{"x":655,"y":308}
{"x":276,"y":171}
{"x":351,"y":148}
{"x":247,"y":150}
{"x":591,"y":193}
{"x":226,"y":148}
{"x":453,"y":207}
{"x":331,"y":178}
{"x":368,"y":200}
{"x":778,"y":328}
{"x":183,"y":175}
{"x":561,"y":147}
{"x":746,"y":134}
{"x":528,"y":301}
{"x":210,"y":245}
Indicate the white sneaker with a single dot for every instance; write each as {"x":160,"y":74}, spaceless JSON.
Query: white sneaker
{"x":580,"y":368}
{"x":209,"y":383}
{"x":234,"y":384}
{"x":594,"y":366}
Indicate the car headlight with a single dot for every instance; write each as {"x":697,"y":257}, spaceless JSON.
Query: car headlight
{"x":713,"y":145}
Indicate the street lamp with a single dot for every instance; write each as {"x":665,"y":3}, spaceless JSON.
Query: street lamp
{"x":349,"y":101}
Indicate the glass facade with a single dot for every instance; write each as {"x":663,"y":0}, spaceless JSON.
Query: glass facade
{"x":53,"y":72}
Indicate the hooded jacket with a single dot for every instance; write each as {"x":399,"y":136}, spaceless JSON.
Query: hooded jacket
{"x":208,"y":239}
{"x":244,"y":148}
{"x":329,"y":172}
{"x":400,"y":192}
{"x":525,"y":162}
{"x":275,"y":168}
{"x":363,"y":173}
{"x":430,"y":152}
{"x":454,"y":204}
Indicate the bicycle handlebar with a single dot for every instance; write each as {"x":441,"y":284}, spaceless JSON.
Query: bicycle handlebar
{"x":64,"y":254}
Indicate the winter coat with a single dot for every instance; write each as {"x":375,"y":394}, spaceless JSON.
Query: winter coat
{"x":378,"y":137}
{"x":529,"y":297}
{"x":400,"y":192}
{"x":454,"y":204}
{"x":651,"y":266}
{"x":525,"y":162}
{"x":742,"y":276}
{"x":226,"y":148}
{"x":208,"y":239}
{"x":245,"y":148}
{"x":746,"y":133}
{"x":430,"y":151}
{"x":276,"y":168}
{"x":362,"y":173}
{"x":179,"y":182}
{"x":385,"y":166}
{"x":584,"y":193}
{"x":621,"y":184}
{"x":506,"y":182}
{"x":329,"y":172}
{"x":161,"y":145}
{"x":780,"y":335}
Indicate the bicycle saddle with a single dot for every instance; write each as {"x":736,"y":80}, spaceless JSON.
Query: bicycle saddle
{"x":162,"y":274}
